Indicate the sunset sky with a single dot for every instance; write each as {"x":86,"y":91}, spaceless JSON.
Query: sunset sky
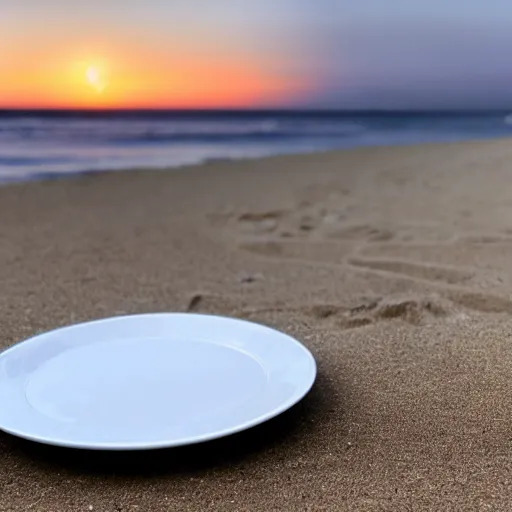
{"x":256,"y":53}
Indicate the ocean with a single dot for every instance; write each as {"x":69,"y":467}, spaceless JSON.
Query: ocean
{"x":46,"y":144}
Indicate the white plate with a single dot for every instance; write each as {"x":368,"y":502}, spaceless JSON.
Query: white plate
{"x":150,"y":381}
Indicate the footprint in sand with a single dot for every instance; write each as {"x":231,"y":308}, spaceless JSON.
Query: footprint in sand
{"x":361,"y":232}
{"x":301,"y":251}
{"x":283,"y":224}
{"x":481,"y":302}
{"x":329,"y":253}
{"x":317,"y":222}
{"x":410,"y":309}
{"x":364,"y":312}
{"x":260,"y":223}
{"x":313,"y":234}
{"x":448,"y":275}
{"x":461,"y":257}
{"x":486,"y":239}
{"x":303,"y":221}
{"x":342,"y":253}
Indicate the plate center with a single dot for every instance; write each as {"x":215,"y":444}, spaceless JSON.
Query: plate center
{"x":144,"y":383}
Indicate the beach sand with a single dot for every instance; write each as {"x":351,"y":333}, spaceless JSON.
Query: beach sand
{"x":393,"y":265}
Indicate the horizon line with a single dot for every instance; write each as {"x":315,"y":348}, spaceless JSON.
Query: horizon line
{"x":227,"y":110}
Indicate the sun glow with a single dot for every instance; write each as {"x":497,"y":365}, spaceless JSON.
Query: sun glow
{"x":96,"y":78}
{"x":111,"y":76}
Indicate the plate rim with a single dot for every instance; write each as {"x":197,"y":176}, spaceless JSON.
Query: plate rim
{"x":169,"y":444}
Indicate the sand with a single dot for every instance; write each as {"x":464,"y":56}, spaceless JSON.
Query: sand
{"x":393,"y":265}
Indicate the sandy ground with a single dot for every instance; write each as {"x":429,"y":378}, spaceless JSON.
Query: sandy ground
{"x":393,"y":265}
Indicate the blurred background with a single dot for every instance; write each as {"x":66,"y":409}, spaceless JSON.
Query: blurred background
{"x":242,"y":79}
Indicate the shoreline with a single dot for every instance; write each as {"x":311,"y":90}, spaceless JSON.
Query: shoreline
{"x":392,"y":266}
{"x":48,"y":176}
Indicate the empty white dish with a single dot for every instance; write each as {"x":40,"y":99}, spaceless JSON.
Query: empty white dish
{"x":150,"y":381}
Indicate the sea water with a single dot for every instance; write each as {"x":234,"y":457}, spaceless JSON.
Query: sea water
{"x":37,"y":144}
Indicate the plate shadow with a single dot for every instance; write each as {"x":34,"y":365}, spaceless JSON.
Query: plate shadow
{"x":280,"y":432}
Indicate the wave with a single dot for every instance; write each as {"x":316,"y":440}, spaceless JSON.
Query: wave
{"x":40,"y":147}
{"x":33,"y":130}
{"x":257,"y":136}
{"x":21,"y":161}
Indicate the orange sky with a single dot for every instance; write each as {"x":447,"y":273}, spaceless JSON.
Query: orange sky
{"x":129,"y":82}
{"x":55,"y":75}
{"x":146,"y":54}
{"x":256,"y":53}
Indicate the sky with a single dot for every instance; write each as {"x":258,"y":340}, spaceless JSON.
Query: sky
{"x":336,"y":54}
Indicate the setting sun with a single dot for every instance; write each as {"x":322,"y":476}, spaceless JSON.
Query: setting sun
{"x":123,"y":75}
{"x":95,"y":78}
